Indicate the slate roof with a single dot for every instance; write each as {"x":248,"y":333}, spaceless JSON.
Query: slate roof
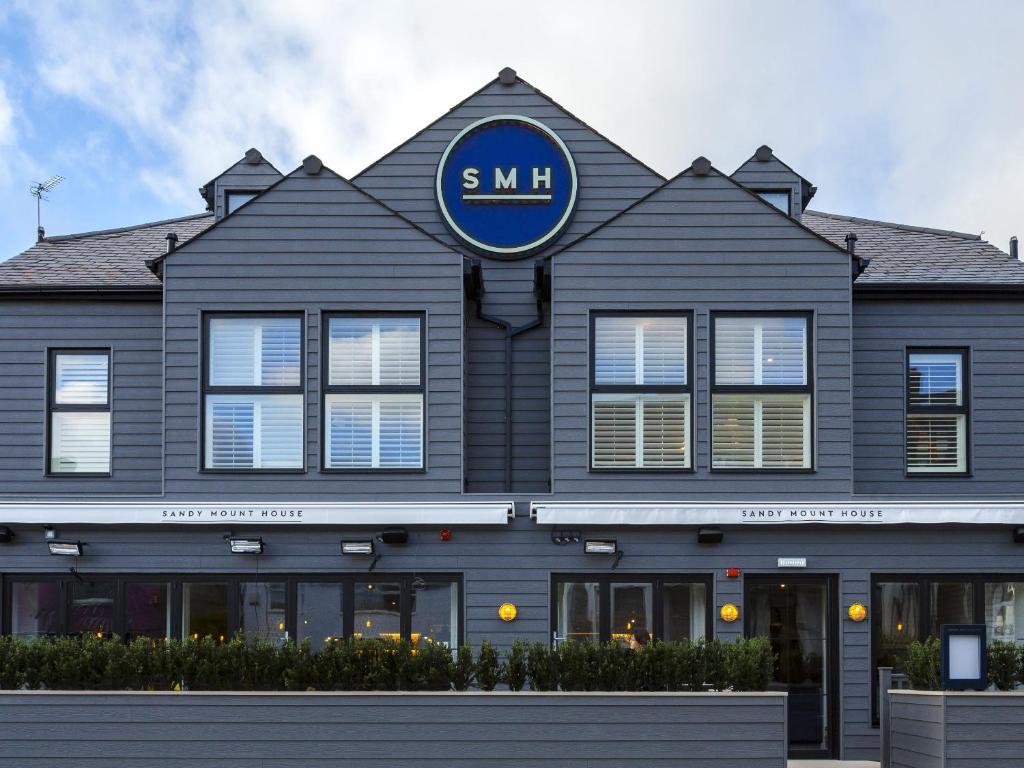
{"x":111,"y":259}
{"x":903,"y":255}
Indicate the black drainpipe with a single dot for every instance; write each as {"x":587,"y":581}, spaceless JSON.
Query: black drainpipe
{"x":541,"y":290}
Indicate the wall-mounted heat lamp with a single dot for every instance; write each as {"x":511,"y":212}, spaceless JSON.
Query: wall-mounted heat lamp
{"x":363,"y":548}
{"x":608,"y":547}
{"x":246,"y":546}
{"x":66,"y":548}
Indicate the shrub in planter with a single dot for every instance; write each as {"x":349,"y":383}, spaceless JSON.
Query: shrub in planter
{"x":613,"y":667}
{"x":1002,"y":665}
{"x":749,"y":664}
{"x":578,"y":665}
{"x":689,"y":665}
{"x":461,"y":668}
{"x":356,"y":664}
{"x":1020,"y":664}
{"x":516,"y":666}
{"x":488,"y":670}
{"x":715,"y":673}
{"x":542,"y":667}
{"x":922,"y":665}
{"x":646,"y":670}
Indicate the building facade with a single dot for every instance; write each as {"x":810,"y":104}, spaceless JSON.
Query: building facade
{"x":510,"y":363}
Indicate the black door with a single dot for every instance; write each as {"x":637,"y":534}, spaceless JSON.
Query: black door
{"x":798,"y":614}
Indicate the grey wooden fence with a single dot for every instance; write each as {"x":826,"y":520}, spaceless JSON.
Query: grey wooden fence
{"x":392,"y":730}
{"x":953,"y":729}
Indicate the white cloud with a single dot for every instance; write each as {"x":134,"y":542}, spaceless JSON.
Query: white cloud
{"x":907,"y":111}
{"x":7,"y":135}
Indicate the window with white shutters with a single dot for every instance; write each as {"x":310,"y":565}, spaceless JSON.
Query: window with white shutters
{"x":373,"y":412}
{"x":253,"y":404}
{"x":761,"y":392}
{"x":79,"y":434}
{"x":937,"y":411}
{"x":640,"y":392}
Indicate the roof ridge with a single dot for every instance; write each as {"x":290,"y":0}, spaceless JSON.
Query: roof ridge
{"x":480,"y":90}
{"x":895,"y":225}
{"x":121,"y":230}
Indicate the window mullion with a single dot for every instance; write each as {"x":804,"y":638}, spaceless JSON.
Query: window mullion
{"x":375,"y":434}
{"x":638,"y":416}
{"x":375,"y":354}
{"x":257,"y":355}
{"x":638,"y":355}
{"x":758,"y":433}
{"x":758,"y":353}
{"x":257,"y":438}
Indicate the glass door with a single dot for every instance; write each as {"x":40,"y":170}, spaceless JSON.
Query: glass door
{"x":798,"y":616}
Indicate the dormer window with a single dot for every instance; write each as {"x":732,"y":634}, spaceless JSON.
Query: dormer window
{"x":778,"y":198}
{"x":233,"y":200}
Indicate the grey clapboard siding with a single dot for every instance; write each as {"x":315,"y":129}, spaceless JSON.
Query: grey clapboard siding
{"x":916,"y":725}
{"x":132,"y":331}
{"x":401,"y":730}
{"x":609,"y":180}
{"x":991,"y":329}
{"x":313,"y":244}
{"x":933,"y":729}
{"x":669,"y":252}
{"x":242,"y":177}
{"x":516,"y":562}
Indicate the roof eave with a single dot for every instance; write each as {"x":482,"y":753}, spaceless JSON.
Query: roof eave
{"x":889,"y":289}
{"x":24,"y":291}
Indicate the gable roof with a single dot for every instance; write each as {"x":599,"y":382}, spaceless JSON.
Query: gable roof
{"x":610,"y":178}
{"x":902,"y":255}
{"x":312,"y":167}
{"x":706,"y":169}
{"x":110,"y":259}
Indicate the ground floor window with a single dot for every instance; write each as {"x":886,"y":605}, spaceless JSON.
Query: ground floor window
{"x":906,"y":608}
{"x":601,"y":607}
{"x":421,"y":608}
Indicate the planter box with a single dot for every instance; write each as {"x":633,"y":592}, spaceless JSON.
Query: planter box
{"x":951,"y":729}
{"x":392,"y":730}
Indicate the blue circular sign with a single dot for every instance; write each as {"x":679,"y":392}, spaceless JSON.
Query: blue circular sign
{"x":506,"y":186}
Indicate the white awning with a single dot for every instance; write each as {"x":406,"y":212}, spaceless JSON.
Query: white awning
{"x":262,"y":513}
{"x":775,"y":513}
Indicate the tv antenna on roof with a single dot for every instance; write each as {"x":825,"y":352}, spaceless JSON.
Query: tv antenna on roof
{"x":37,"y":191}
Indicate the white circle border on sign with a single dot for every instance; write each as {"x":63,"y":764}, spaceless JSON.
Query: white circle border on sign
{"x":527,"y":247}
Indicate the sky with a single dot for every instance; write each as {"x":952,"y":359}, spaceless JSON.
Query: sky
{"x":902,"y":111}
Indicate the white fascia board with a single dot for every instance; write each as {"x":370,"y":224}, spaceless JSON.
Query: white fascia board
{"x":777,"y":513}
{"x":263,"y":513}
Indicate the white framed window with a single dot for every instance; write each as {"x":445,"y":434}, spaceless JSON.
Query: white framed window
{"x":937,"y":411}
{"x":374,"y":392}
{"x":233,"y":200}
{"x":761,"y":392}
{"x":640,"y":400}
{"x":79,"y":412}
{"x":777,"y":198}
{"x":253,"y":409}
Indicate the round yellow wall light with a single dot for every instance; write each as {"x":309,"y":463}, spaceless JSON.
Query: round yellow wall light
{"x":729,"y":613}
{"x":857,"y":612}
{"x":507,"y":611}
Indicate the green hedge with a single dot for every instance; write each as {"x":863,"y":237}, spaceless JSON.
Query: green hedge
{"x":245,"y":664}
{"x":922,"y":666}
